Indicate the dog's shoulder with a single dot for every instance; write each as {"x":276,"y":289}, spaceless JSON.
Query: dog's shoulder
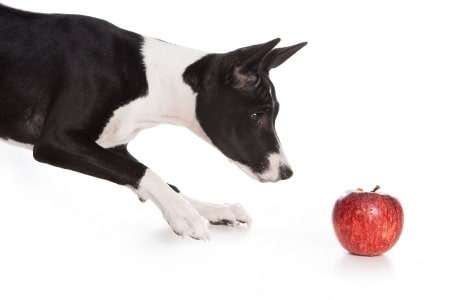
{"x":67,"y":62}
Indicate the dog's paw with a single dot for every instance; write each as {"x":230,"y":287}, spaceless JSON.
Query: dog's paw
{"x":185,"y":221}
{"x":222,"y":214}
{"x":227,"y":214}
{"x":178,"y":212}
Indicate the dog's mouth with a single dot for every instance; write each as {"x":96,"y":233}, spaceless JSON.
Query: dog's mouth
{"x":277,"y":169}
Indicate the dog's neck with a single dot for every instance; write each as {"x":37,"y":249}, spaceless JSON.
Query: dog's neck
{"x":170,"y":100}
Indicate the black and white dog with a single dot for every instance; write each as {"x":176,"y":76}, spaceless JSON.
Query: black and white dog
{"x":76,"y":90}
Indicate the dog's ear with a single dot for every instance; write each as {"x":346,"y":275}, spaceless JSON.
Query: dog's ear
{"x":239,"y":67}
{"x":246,"y":62}
{"x":252,"y":56}
{"x":194,"y":74}
{"x":279,"y":55}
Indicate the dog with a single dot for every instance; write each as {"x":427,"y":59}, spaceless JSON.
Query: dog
{"x":76,"y":90}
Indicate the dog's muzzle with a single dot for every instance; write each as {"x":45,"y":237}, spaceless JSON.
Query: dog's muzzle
{"x":277,"y":168}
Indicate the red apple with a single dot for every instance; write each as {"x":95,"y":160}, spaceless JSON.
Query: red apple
{"x":367,"y":223}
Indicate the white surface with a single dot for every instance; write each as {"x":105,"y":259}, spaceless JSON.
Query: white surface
{"x":364,"y":103}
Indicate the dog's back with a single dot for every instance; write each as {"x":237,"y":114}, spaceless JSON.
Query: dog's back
{"x":46,"y":57}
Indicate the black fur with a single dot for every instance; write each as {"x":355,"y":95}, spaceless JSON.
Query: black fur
{"x":61,"y":78}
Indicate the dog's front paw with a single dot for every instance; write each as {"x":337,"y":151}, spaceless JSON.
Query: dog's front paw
{"x":178,"y":212}
{"x":227,"y":214}
{"x":185,"y":221}
{"x":221,"y":214}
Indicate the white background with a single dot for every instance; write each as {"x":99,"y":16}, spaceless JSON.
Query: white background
{"x":364,"y":103}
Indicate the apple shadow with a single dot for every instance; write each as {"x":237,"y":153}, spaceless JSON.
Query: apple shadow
{"x":364,"y":267}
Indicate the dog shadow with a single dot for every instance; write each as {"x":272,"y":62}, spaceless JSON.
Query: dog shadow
{"x":217,"y":232}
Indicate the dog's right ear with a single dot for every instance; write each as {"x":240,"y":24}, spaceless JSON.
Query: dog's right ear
{"x":238,"y":67}
{"x":252,"y":56}
{"x":194,"y":75}
{"x":279,"y":55}
{"x":244,"y":63}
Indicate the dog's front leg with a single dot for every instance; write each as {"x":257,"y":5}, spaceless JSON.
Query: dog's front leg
{"x":82,"y":155}
{"x":217,"y":214}
{"x":177,"y":211}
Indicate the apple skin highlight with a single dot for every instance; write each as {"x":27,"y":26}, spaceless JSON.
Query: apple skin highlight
{"x":367,"y":223}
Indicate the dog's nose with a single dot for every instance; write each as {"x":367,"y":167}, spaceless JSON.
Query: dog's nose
{"x":285,"y":172}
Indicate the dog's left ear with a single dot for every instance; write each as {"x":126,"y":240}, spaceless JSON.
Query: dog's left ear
{"x":279,"y":55}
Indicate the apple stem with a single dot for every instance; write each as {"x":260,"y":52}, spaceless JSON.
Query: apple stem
{"x":376,"y":189}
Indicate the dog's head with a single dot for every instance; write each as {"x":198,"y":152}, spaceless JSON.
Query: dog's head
{"x":237,"y":106}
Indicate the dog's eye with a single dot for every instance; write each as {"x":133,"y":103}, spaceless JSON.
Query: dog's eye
{"x":256,"y":117}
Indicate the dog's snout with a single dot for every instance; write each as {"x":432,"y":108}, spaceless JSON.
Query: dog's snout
{"x":285,"y":172}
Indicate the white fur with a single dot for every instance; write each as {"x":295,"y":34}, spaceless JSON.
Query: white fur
{"x":233,"y":214}
{"x":169,"y":99}
{"x":276,"y":162}
{"x":178,"y":212}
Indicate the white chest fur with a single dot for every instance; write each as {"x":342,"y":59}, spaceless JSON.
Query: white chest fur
{"x":125,"y":124}
{"x":169,"y":99}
